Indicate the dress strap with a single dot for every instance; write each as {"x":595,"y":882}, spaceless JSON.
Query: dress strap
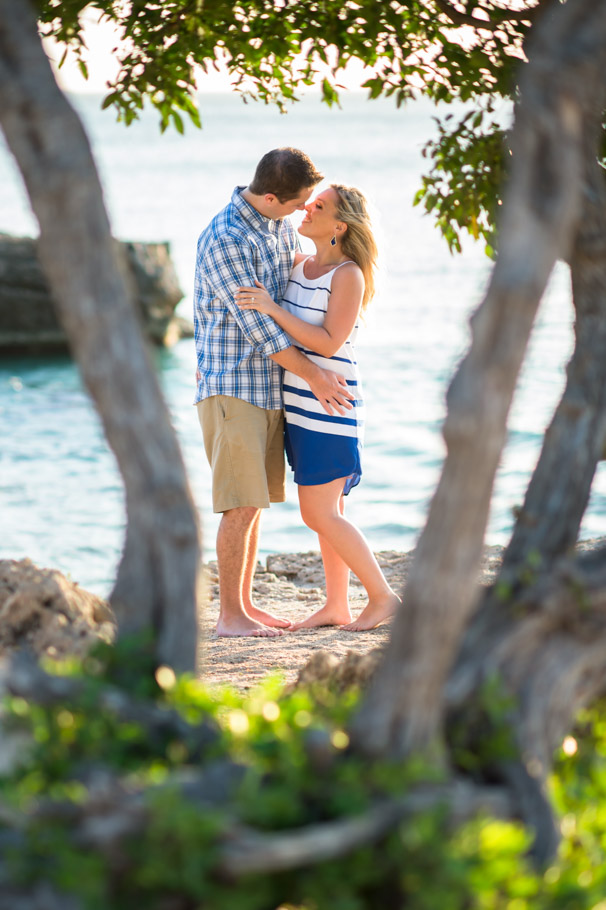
{"x":325,"y":274}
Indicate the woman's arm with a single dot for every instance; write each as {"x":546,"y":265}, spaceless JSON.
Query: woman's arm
{"x":343,"y":309}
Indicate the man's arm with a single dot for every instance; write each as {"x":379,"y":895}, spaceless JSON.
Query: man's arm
{"x":230,"y":263}
{"x":329,"y":388}
{"x":226,"y":260}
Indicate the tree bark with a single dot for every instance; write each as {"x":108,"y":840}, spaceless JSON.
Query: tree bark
{"x":156,"y":584}
{"x":547,"y":653}
{"x":542,"y":627}
{"x":557,"y":496}
{"x":403,"y":710}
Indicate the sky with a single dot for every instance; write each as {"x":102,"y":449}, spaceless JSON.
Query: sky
{"x":101,"y":38}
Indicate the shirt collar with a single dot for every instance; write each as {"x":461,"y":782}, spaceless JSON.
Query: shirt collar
{"x":250,"y":214}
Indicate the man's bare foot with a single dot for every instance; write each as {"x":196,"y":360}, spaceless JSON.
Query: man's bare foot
{"x":373,"y":614}
{"x":326,"y":616}
{"x":241,"y":626}
{"x":267,"y":619}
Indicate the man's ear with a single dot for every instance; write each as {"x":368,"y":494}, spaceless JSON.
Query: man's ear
{"x":270,"y":198}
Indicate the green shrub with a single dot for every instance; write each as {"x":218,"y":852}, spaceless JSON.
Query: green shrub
{"x":296,"y":769}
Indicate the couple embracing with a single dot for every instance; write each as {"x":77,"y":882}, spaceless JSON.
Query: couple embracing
{"x":275,"y":333}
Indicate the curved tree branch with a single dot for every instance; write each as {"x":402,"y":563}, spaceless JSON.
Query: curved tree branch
{"x":114,"y":815}
{"x":22,"y":676}
{"x":248,"y":851}
{"x":546,"y":649}
{"x":403,"y":709}
{"x":157,"y":578}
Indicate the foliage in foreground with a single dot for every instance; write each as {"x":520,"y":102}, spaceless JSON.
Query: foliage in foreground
{"x":296,"y":769}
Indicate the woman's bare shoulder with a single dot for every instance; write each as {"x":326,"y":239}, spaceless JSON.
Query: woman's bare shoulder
{"x":348,"y":274}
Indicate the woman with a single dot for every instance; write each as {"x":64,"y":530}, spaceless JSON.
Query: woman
{"x":320,"y":310}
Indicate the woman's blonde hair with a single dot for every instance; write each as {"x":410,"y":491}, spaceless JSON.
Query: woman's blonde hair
{"x":358,"y":241}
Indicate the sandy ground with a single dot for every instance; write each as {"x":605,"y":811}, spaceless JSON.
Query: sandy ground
{"x":292,"y":585}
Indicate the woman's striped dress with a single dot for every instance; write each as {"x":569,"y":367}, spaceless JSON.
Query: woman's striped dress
{"x":321,"y":447}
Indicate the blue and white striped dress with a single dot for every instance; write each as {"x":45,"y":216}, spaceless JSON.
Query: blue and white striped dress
{"x":321,"y":447}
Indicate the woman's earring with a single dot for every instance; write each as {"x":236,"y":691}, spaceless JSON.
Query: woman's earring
{"x":333,"y":241}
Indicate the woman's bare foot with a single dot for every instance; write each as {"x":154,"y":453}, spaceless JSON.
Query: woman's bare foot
{"x":326,"y":616}
{"x":267,"y":619}
{"x":374,"y":613}
{"x":241,"y":626}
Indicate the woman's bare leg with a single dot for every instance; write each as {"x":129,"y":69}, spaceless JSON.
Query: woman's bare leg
{"x":320,"y":511}
{"x":335,"y":611}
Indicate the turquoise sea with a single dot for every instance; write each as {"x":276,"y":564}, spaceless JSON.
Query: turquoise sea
{"x":61,"y":500}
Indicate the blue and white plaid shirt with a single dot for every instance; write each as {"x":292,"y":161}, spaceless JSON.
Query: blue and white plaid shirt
{"x":233,"y":345}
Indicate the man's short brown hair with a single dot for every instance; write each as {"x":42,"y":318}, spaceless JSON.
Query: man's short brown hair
{"x":284,"y":172}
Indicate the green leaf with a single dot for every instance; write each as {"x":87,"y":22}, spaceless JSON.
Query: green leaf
{"x":178,"y":121}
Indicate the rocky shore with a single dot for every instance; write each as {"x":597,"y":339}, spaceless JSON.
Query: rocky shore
{"x":42,"y":609}
{"x":292,"y":585}
{"x":46,"y":612}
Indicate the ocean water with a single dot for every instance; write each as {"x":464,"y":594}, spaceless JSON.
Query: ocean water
{"x":61,"y":499}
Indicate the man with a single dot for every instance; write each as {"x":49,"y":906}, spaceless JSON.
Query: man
{"x":240,"y":354}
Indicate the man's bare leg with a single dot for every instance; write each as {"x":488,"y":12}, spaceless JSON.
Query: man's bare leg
{"x":232,"y":554}
{"x":262,"y":616}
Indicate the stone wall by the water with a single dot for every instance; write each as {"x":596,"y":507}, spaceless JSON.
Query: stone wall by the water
{"x":28,"y":319}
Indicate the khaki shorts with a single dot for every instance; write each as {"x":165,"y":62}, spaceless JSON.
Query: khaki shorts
{"x":245,"y":449}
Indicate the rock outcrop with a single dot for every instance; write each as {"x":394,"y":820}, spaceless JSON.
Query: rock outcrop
{"x":42,"y":610}
{"x":28,"y":318}
{"x":325,"y":668}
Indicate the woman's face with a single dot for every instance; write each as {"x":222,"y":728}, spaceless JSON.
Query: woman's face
{"x":320,"y":216}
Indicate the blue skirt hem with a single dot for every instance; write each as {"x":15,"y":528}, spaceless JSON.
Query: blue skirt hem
{"x":319,"y":458}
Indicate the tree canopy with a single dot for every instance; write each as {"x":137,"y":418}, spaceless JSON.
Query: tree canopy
{"x":467,"y":52}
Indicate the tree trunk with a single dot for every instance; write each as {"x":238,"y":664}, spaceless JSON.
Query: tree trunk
{"x":403,"y":710}
{"x":557,"y":496}
{"x":547,"y":653}
{"x":541,"y":629}
{"x":156,"y":584}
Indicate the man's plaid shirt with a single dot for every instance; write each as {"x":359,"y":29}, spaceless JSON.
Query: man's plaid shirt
{"x":233,"y":345}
